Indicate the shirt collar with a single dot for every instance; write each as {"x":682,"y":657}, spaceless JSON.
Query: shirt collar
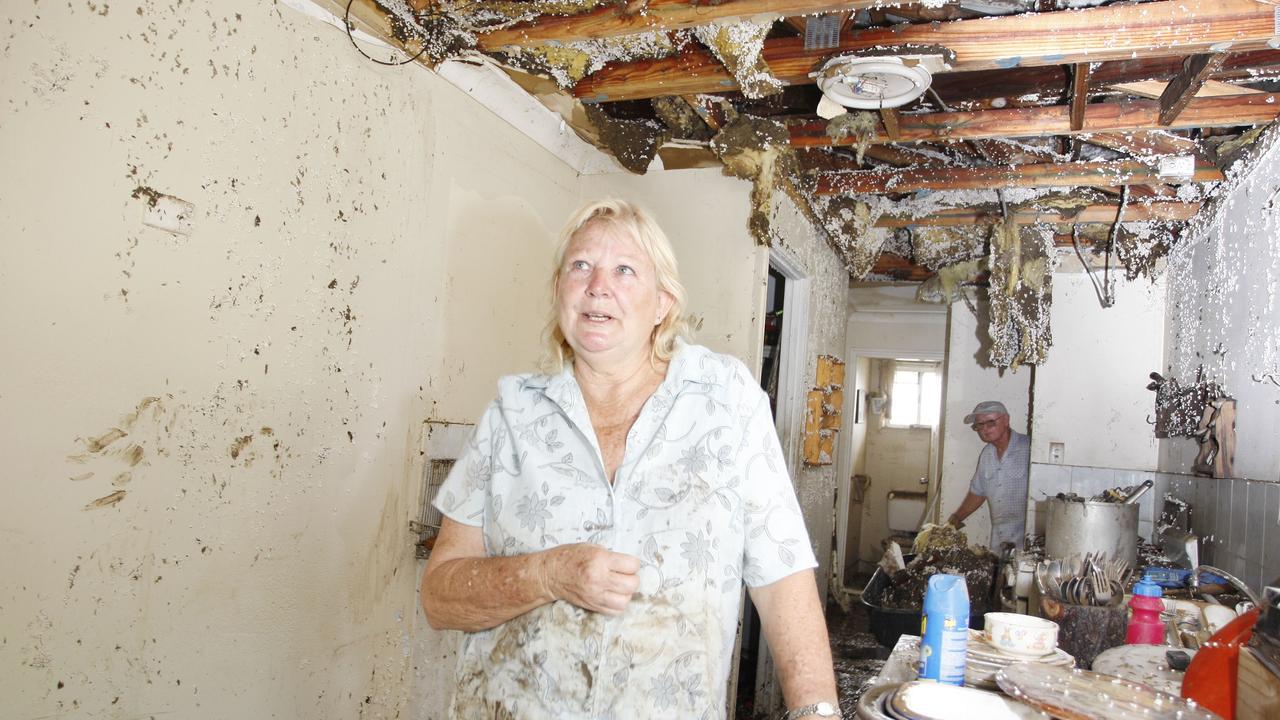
{"x":689,"y":364}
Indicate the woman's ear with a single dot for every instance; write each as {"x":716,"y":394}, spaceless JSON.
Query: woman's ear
{"x":665,"y":301}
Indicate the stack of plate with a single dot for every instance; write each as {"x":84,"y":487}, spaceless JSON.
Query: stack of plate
{"x":922,"y":700}
{"x":983,"y":660}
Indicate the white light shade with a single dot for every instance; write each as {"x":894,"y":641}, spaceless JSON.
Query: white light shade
{"x":872,"y":83}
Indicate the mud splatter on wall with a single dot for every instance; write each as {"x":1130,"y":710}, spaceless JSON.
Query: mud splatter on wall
{"x":214,"y":447}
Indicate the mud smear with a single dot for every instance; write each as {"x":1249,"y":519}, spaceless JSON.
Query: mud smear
{"x":106,"y":500}
{"x":100,"y":443}
{"x":239,"y":445}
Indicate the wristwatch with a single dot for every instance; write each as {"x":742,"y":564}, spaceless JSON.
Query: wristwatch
{"x":818,"y":709}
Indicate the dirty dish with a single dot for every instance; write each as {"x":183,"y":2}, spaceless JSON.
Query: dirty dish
{"x":1021,"y":634}
{"x":1146,"y":664}
{"x":921,"y":700}
{"x":871,"y":704}
{"x":1083,"y":695}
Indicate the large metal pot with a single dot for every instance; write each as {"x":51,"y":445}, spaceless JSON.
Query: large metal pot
{"x":1091,"y":527}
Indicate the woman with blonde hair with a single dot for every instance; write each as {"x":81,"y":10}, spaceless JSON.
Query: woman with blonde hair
{"x":605,"y":515}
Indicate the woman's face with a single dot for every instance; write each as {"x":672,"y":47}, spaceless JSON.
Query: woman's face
{"x":608,"y":296}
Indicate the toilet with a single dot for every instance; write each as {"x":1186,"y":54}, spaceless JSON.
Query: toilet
{"x":904,"y":509}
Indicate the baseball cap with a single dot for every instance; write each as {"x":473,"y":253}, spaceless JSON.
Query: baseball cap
{"x":987,"y":407}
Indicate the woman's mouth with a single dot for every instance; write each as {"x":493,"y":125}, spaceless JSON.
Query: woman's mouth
{"x":597,"y":317}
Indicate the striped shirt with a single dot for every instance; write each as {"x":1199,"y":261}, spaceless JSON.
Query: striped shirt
{"x":1003,"y":482}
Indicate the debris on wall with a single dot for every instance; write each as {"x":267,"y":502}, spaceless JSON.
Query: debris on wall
{"x":934,"y":247}
{"x":632,"y":142}
{"x":738,"y":44}
{"x":759,"y":150}
{"x":1142,"y":246}
{"x":1023,"y":259}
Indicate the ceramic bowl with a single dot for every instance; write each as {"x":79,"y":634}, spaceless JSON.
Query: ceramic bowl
{"x":1021,"y":635}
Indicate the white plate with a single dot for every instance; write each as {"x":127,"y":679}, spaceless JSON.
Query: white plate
{"x":1146,"y":664}
{"x":922,"y":700}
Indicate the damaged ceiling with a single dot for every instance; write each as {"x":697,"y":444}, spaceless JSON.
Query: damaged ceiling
{"x":1086,"y":124}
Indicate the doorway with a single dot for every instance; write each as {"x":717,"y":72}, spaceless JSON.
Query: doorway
{"x":783,"y":350}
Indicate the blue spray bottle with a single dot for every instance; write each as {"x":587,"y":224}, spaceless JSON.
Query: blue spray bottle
{"x":944,"y":629}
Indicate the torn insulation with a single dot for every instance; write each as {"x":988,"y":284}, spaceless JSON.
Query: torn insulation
{"x":759,"y":150}
{"x":852,"y":233}
{"x":571,"y":62}
{"x":1023,"y":259}
{"x":739,"y":45}
{"x":860,"y":125}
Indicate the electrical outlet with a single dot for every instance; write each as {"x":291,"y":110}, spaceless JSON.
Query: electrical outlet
{"x":1056,"y":452}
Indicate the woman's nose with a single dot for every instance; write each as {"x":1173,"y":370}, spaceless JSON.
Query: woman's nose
{"x":598,"y":285}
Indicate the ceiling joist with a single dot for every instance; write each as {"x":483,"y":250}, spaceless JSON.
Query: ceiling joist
{"x":1055,"y":120}
{"x":1081,"y":174}
{"x":1113,"y":32}
{"x":614,"y":20}
{"x":1195,"y":71}
{"x":1098,"y":213}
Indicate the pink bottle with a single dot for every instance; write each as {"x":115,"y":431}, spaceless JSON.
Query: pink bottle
{"x":1145,"y":627}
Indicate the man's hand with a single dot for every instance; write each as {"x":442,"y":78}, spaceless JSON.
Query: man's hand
{"x":590,"y":577}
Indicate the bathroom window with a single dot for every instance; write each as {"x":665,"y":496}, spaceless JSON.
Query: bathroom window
{"x":917,"y":394}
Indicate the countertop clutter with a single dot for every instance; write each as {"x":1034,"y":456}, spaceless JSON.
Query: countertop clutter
{"x":1121,"y":633}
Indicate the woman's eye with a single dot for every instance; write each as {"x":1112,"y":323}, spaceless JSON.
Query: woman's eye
{"x":626,"y":270}
{"x":578,"y":265}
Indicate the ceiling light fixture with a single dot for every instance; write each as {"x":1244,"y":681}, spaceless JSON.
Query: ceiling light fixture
{"x":876,"y":82}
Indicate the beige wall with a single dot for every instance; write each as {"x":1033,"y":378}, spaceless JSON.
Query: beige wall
{"x":1091,"y":394}
{"x":259,"y":562}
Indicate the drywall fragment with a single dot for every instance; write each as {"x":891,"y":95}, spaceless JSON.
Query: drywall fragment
{"x":759,"y":150}
{"x":1022,"y":264}
{"x":738,"y":45}
{"x":854,"y":124}
{"x":632,"y":142}
{"x":935,"y":247}
{"x":1142,"y":246}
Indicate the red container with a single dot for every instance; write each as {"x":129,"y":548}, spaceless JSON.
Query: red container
{"x":1145,"y":627}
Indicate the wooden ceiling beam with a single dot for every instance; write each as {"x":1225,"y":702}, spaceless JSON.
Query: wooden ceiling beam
{"x":1182,"y":88}
{"x":1148,"y":144}
{"x":1080,"y":93}
{"x":1113,"y":32}
{"x":1098,"y":213}
{"x":630,"y":18}
{"x":899,"y":269}
{"x":1081,"y":174}
{"x":1054,"y":120}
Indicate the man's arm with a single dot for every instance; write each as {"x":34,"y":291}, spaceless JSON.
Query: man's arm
{"x":464,"y":589}
{"x":971,"y":502}
{"x":797,"y":635}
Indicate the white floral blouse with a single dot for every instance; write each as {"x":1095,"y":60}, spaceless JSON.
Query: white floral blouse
{"x":702,"y":497}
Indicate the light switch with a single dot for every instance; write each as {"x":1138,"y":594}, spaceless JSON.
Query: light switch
{"x":1056,"y":452}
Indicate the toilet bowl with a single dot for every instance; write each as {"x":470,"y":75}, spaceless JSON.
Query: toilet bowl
{"x":903,"y":510}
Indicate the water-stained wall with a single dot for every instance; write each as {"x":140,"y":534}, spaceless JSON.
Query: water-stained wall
{"x":211,"y":439}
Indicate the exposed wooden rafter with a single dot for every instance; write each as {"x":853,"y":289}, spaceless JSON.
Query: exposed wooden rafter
{"x":1099,"y":213}
{"x":1148,"y":144}
{"x":1079,"y":94}
{"x":1195,"y":70}
{"x":1081,"y":174}
{"x":629,"y":18}
{"x":1113,"y":32}
{"x":1055,"y":120}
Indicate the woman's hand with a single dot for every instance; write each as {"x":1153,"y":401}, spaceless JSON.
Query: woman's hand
{"x":590,"y":577}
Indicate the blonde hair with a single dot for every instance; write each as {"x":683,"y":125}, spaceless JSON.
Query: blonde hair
{"x":633,"y":222}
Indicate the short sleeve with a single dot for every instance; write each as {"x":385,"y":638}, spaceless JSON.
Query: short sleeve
{"x":776,"y":541}
{"x":462,"y":496}
{"x":977,"y":484}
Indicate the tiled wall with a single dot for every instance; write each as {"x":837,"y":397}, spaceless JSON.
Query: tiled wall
{"x":1238,"y":520}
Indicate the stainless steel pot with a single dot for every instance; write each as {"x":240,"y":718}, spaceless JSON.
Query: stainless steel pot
{"x":1090,"y":527}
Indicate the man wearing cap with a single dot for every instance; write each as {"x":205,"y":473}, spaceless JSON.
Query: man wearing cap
{"x":1001,"y":475}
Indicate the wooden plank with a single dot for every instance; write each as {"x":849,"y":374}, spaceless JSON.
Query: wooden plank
{"x":1079,"y":94}
{"x":890,"y":118}
{"x":1054,"y":120}
{"x":899,"y":268}
{"x":1148,"y":144}
{"x":1113,"y":32}
{"x":1180,"y":90}
{"x":1098,"y":213}
{"x":1081,"y":174}
{"x":614,"y":20}
{"x":1152,"y":89}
